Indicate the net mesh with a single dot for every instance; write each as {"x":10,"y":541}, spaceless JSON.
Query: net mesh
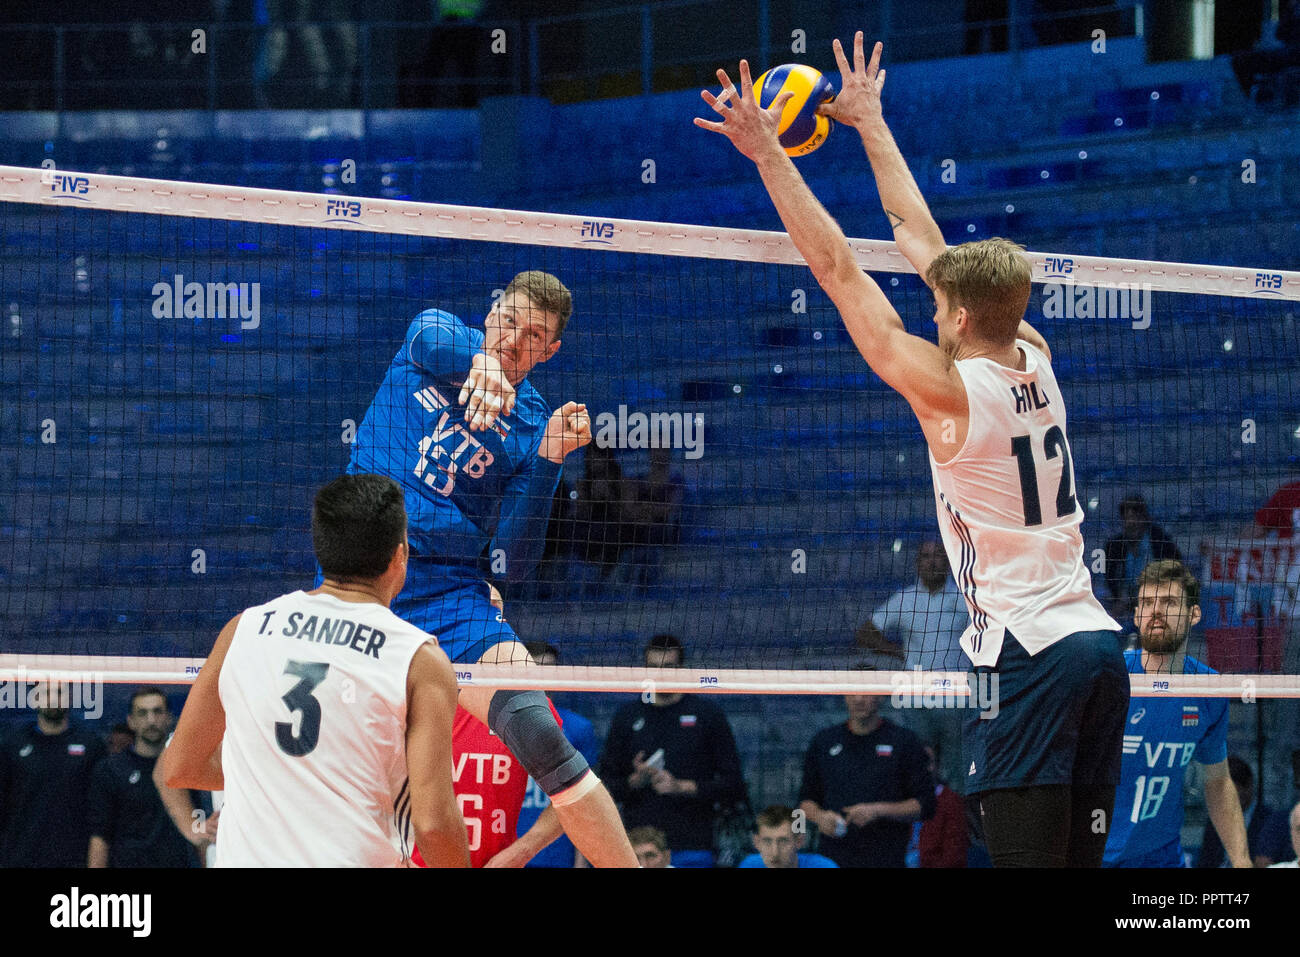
{"x":184,"y":365}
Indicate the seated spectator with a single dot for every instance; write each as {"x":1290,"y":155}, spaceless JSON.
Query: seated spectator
{"x":45,"y":771}
{"x":129,"y":827}
{"x":670,"y":760}
{"x":927,"y":619}
{"x":1139,"y":543}
{"x":864,"y":783}
{"x":599,"y":532}
{"x":1267,"y":843}
{"x":653,"y":518}
{"x":943,"y":841}
{"x":650,"y":847}
{"x":1293,"y":822}
{"x":779,"y":844}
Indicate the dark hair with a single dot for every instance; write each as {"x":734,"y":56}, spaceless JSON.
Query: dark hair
{"x":357,"y":522}
{"x":144,"y":693}
{"x":775,"y":815}
{"x":667,"y":643}
{"x":539,"y":648}
{"x":1134,"y":503}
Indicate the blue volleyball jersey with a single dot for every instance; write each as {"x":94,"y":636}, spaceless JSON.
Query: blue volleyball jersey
{"x":463,"y":488}
{"x":1161,"y":737}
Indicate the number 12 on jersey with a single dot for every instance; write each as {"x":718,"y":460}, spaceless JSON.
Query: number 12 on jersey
{"x":1054,"y":444}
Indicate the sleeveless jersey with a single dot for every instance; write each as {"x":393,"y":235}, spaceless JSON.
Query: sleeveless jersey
{"x":1009,"y":516}
{"x":314,"y":755}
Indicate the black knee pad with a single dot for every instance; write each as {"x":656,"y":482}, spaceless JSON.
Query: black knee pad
{"x":523,"y":720}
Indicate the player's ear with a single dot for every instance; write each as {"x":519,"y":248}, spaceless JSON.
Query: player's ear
{"x":1195,"y":616}
{"x":551,"y":350}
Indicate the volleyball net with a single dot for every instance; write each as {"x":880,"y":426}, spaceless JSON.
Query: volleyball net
{"x":185,"y":364}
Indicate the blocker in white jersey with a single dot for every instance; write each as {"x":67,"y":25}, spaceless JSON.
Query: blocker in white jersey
{"x":1009,"y":515}
{"x":324,"y":717}
{"x":994,"y":422}
{"x":314,"y":689}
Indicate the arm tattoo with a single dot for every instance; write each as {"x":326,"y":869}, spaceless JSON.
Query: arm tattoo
{"x":894,"y":219}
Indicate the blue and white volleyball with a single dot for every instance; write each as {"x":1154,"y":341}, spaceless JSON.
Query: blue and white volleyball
{"x":801,"y":130}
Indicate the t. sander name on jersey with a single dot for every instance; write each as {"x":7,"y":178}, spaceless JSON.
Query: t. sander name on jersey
{"x":327,"y":631}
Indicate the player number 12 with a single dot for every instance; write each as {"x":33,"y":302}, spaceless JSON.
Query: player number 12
{"x":1054,"y":444}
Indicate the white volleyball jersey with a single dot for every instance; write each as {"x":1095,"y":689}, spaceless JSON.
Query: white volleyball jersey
{"x":314,"y":756}
{"x":1009,"y":515}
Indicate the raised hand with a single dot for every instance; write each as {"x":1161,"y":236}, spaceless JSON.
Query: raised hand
{"x":487,"y":393}
{"x":568,"y":430}
{"x":858,"y":102}
{"x":751,"y":129}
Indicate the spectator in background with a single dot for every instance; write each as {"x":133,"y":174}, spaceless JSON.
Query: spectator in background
{"x":45,"y":771}
{"x":1278,"y":519}
{"x":779,"y":844}
{"x":650,"y":846}
{"x":926,"y":621}
{"x":864,"y":783}
{"x":330,"y":80}
{"x":1265,"y":840}
{"x":582,"y":735}
{"x":1293,"y":826}
{"x":943,"y":841}
{"x":653,"y":518}
{"x":120,"y":738}
{"x":670,"y":761}
{"x":129,"y":827}
{"x":1139,"y":543}
{"x":599,"y":524}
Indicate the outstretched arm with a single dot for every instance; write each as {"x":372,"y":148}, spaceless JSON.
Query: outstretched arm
{"x":858,"y":105}
{"x":913,"y":366}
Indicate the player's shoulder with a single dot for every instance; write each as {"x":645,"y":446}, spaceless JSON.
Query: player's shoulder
{"x":830,"y":734}
{"x":435,"y":319}
{"x":1133,"y":661}
{"x":530,"y":404}
{"x":901,"y":737}
{"x":815,"y":860}
{"x":1194,"y":666}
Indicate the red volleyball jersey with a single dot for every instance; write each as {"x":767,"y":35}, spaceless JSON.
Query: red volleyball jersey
{"x":490,"y":785}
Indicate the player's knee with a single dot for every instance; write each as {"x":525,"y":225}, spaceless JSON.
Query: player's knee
{"x":523,"y":720}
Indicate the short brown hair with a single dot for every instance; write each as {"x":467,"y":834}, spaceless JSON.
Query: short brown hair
{"x":991,"y":278}
{"x":648,"y":835}
{"x":1168,"y":570}
{"x":775,"y":815}
{"x":545,"y":292}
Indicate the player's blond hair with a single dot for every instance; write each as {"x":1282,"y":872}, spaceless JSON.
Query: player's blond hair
{"x":545,"y":292}
{"x":991,"y":278}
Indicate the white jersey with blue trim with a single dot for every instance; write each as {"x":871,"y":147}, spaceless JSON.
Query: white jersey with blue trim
{"x":1009,"y":515}
{"x":314,"y":755}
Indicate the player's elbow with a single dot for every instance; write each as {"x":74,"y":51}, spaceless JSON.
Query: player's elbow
{"x":442,"y":843}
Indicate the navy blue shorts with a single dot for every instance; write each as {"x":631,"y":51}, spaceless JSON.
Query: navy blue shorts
{"x":453,"y":605}
{"x":1060,"y":716}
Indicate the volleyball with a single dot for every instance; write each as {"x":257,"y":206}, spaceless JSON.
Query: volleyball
{"x":801,"y":130}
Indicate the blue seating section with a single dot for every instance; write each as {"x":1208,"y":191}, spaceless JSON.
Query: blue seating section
{"x":176,"y":490}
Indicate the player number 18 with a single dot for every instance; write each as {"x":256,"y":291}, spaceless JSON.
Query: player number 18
{"x":1149,"y":796}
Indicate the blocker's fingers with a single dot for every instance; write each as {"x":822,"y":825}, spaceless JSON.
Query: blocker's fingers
{"x":746,"y":84}
{"x":840,"y":59}
{"x":779,"y":103}
{"x":728,"y":87}
{"x":466,"y":388}
{"x":874,"y":65}
{"x":720,"y":104}
{"x":708,"y":125}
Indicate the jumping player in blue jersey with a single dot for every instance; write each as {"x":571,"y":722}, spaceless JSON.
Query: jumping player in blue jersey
{"x":478,"y":453}
{"x":1163,"y":735}
{"x":1045,"y":762}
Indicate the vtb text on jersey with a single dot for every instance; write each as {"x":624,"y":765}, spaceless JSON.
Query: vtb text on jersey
{"x":1009,"y":515}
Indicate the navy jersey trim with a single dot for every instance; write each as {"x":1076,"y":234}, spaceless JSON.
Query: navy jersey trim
{"x":966,"y":573}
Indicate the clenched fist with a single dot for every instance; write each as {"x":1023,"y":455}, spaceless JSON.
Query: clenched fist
{"x":568,"y":430}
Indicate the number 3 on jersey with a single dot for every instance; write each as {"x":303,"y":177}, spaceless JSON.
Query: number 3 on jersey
{"x":299,"y":699}
{"x":1054,"y":444}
